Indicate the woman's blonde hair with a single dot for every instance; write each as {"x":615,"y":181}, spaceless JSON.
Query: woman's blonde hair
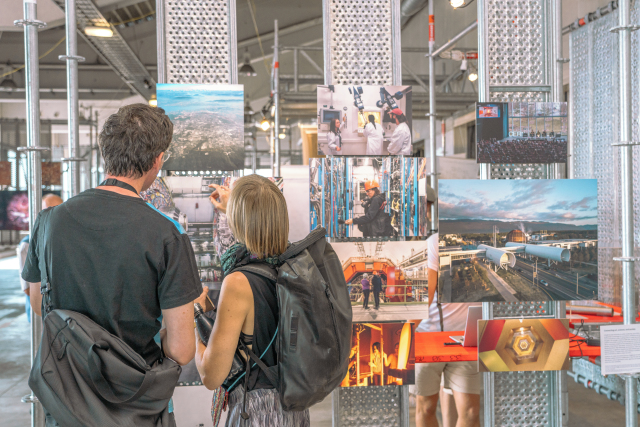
{"x":258,"y":216}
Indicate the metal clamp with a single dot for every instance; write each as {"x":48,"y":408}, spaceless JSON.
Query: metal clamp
{"x":430,"y":114}
{"x":625,"y":143}
{"x":30,"y":398}
{"x":23,"y":22}
{"x":563,"y":60}
{"x":626,"y":258}
{"x":624,"y":27}
{"x":21,"y":149}
{"x":434,"y":174}
{"x":73,"y":159}
{"x":71,"y":58}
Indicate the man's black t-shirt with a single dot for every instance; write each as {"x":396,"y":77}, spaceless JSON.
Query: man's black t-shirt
{"x":117,"y":260}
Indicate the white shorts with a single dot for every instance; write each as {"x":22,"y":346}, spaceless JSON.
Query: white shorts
{"x":458,"y":376}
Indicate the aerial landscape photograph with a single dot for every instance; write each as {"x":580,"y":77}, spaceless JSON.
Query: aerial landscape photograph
{"x":208,"y":126}
{"x":518,"y":240}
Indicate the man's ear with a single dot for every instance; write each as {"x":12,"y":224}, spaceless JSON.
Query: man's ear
{"x":157,"y":163}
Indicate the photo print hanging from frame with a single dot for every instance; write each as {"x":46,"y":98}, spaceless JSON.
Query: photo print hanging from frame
{"x":518,"y":240}
{"x":208,"y":126}
{"x":364,"y":120}
{"x":381,"y":354}
{"x":521,"y":132}
{"x":370,"y":198}
{"x":516,"y":345}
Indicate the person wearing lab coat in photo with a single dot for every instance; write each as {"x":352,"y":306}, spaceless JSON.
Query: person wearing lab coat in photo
{"x":401,"y":139}
{"x":334,"y":139}
{"x":374,"y":136}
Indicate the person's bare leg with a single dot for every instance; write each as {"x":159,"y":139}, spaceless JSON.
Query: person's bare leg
{"x":426,"y":407}
{"x":468,"y":406}
{"x":448,"y":409}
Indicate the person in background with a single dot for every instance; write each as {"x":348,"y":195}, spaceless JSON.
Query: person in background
{"x":334,"y":138}
{"x":378,"y":361}
{"x":113,"y":257}
{"x":455,"y":384}
{"x":401,"y":139}
{"x":48,"y":201}
{"x":376,"y":282}
{"x":366,"y":290}
{"x":248,"y":306}
{"x":374,"y":135}
{"x":375,"y":222}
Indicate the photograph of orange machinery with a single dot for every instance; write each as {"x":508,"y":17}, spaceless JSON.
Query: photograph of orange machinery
{"x":510,"y":345}
{"x":387,"y":281}
{"x":381,"y":354}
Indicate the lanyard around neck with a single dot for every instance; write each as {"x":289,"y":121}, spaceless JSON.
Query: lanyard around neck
{"x":112,"y":182}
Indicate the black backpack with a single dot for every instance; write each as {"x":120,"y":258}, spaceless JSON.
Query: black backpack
{"x":314,"y":328}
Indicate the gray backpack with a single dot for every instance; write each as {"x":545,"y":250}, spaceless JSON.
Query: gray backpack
{"x":314,"y":327}
{"x":85,"y":376}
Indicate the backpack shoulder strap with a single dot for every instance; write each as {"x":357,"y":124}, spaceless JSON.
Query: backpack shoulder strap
{"x":258,"y":268}
{"x":298,"y":247}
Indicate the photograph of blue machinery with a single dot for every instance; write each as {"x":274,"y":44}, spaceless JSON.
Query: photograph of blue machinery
{"x":371,"y":120}
{"x":394,"y":210}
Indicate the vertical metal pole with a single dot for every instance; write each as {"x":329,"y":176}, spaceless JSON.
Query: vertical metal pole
{"x":160,"y":41}
{"x":571,"y":161}
{"x":34,"y":166}
{"x":432,"y":117}
{"x":97,"y":151}
{"x":72,"y":59}
{"x":326,"y":41}
{"x":295,"y":69}
{"x":276,"y":99}
{"x":483,"y":69}
{"x":233,"y":43}
{"x":629,"y":302}
{"x":557,"y":87}
{"x":488,"y":377}
{"x":90,"y":165}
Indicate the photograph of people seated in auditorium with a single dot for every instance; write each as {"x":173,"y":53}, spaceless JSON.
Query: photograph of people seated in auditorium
{"x":518,"y":240}
{"x":364,"y":120}
{"x":370,"y":198}
{"x":208,"y":126}
{"x":381,"y":354}
{"x":385,"y":280}
{"x":521,"y":132}
{"x":515,"y":345}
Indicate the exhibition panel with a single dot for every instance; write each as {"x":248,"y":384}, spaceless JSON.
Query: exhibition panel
{"x":437,"y":271}
{"x":518,"y":240}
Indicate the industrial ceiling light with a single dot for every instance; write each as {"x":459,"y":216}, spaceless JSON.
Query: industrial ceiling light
{"x":264,"y":124}
{"x":456,"y":4}
{"x":473,"y":76}
{"x":98,"y":31}
{"x":248,"y":111}
{"x":153,"y":101}
{"x":247,"y":68}
{"x":282,"y":136}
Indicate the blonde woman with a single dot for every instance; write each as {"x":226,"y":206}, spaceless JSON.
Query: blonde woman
{"x":248,"y":305}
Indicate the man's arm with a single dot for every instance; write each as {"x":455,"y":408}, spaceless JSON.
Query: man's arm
{"x":178,"y":341}
{"x":35,"y":298}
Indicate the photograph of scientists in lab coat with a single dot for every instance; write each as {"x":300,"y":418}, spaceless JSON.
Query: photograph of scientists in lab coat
{"x":364,"y":120}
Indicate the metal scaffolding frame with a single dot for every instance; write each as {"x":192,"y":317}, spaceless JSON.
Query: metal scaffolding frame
{"x":34,"y":171}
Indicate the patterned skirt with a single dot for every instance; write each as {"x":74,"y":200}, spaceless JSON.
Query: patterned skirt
{"x":264,"y":409}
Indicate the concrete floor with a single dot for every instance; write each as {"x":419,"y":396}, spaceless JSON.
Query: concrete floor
{"x":586,"y":408}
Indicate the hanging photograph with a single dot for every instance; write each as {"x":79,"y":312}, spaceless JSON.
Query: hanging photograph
{"x":386,"y":280}
{"x":381,"y":354}
{"x":515,"y":345}
{"x":14,"y":209}
{"x":518,"y":240}
{"x":208,"y":126}
{"x":370,"y":198}
{"x":364,"y":120}
{"x":522,"y":132}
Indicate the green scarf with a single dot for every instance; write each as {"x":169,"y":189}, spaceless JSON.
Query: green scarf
{"x":238,"y":255}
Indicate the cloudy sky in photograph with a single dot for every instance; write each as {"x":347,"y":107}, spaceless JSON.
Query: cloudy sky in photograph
{"x":569,"y":201}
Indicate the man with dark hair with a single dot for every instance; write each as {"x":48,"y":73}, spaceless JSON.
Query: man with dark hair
{"x":376,"y":282}
{"x":113,"y":257}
